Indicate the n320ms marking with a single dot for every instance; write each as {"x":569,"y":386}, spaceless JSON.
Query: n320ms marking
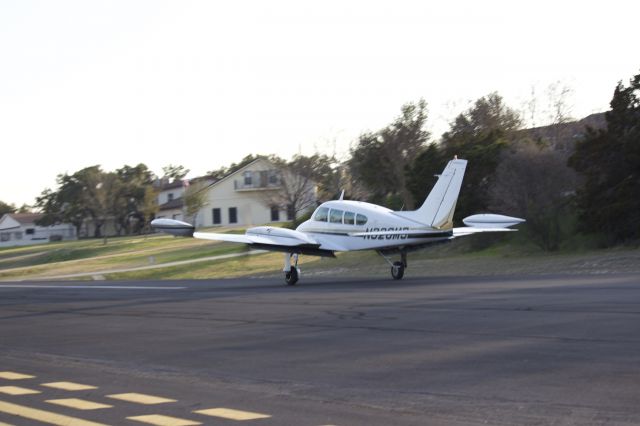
{"x":343,"y":225}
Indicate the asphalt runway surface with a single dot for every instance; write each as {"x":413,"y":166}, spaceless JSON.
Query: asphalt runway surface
{"x":431,"y":350}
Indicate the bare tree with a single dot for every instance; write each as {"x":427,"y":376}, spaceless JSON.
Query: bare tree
{"x":297,"y":188}
{"x":534,"y":182}
{"x":195,"y":198}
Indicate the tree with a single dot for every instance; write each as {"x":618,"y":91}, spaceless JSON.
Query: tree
{"x":148,"y":207}
{"x":478,"y":135}
{"x":195,"y":197}
{"x":534,"y":182}
{"x":6,"y":208}
{"x":380,"y":159}
{"x":134,"y":185}
{"x":174,"y":172}
{"x":609,"y":159}
{"x":297,"y":184}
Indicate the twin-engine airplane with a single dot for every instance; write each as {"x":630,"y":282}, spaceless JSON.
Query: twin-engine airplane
{"x":343,"y":225}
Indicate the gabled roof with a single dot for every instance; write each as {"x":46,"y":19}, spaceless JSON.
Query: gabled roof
{"x":26,"y":218}
{"x":241,"y":169}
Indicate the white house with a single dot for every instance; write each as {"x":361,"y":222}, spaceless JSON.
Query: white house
{"x":18,"y":229}
{"x":241,"y":198}
{"x":170,"y":202}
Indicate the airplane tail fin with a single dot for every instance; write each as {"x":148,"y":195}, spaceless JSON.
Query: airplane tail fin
{"x":437,"y":210}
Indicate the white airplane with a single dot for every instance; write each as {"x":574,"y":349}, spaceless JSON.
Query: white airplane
{"x":342,"y":225}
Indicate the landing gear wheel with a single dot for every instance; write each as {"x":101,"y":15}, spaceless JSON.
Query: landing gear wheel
{"x":291,"y":277}
{"x":397,"y":270}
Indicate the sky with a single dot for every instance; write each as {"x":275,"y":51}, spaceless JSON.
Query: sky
{"x":205,"y":83}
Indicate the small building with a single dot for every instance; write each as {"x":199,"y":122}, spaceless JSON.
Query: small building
{"x":170,"y":200}
{"x":18,"y":229}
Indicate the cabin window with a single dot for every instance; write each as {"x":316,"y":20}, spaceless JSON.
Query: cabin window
{"x":335,"y":216}
{"x":233,"y":215}
{"x":361,"y":219}
{"x":217,"y":217}
{"x":321,"y":214}
{"x":349,"y":218}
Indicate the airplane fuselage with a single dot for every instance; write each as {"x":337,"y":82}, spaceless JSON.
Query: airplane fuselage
{"x":343,"y":225}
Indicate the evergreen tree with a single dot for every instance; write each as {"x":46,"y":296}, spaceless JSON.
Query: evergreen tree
{"x":609,"y":159}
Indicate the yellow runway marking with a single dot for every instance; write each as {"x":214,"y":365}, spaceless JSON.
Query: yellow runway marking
{"x":5,"y":424}
{"x":69,"y":386}
{"x":79,"y":404}
{"x":227,"y":413}
{"x":15,"y":390}
{"x":43,"y":416}
{"x":10,"y":375}
{"x":158,"y":420}
{"x":140,"y":398}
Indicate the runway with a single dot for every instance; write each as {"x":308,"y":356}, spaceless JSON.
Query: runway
{"x":561,"y":349}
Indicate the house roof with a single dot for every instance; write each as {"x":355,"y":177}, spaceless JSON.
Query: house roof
{"x":176,"y":203}
{"x":25,"y":218}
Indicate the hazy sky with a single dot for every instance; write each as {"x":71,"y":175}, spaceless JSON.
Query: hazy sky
{"x":203,"y":84}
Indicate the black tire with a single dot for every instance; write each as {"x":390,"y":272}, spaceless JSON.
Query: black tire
{"x":397,"y":270}
{"x":291,"y":277}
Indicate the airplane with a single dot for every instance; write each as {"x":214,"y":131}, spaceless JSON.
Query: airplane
{"x":345,"y":225}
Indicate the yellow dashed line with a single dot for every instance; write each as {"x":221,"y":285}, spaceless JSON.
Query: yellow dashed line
{"x":15,"y":390}
{"x":43,"y":416}
{"x":140,"y":398}
{"x":10,"y":375}
{"x":79,"y":404}
{"x":158,"y":420}
{"x":227,"y":413}
{"x":69,"y":386}
{"x":5,"y":424}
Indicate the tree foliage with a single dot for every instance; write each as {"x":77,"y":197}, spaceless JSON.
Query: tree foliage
{"x":6,"y":208}
{"x":380,"y":159}
{"x":609,"y":159}
{"x":479,"y":135}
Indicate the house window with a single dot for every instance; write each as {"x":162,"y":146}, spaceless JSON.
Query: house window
{"x":233,"y":215}
{"x":30,"y":231}
{"x":275,"y":214}
{"x":248,"y":179}
{"x":170,"y":196}
{"x":273,"y":177}
{"x":5,"y":236}
{"x":217,"y":219}
{"x":18,"y":235}
{"x":290,"y":212}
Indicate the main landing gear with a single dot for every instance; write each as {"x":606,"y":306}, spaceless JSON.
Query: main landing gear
{"x":291,"y":273}
{"x":397,"y":268}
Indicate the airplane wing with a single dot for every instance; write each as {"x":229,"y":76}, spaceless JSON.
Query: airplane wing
{"x":263,"y":237}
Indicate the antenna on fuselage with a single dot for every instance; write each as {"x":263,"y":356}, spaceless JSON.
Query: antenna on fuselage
{"x":341,"y":195}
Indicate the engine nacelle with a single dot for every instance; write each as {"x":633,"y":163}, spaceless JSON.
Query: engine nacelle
{"x":173,"y":227}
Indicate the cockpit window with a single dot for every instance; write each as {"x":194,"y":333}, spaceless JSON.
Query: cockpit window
{"x":321,"y":214}
{"x":349,"y":218}
{"x":361,"y":219}
{"x":335,"y":216}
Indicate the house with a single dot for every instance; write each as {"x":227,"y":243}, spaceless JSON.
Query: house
{"x":170,"y":202}
{"x":246,"y":196}
{"x":18,"y":229}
